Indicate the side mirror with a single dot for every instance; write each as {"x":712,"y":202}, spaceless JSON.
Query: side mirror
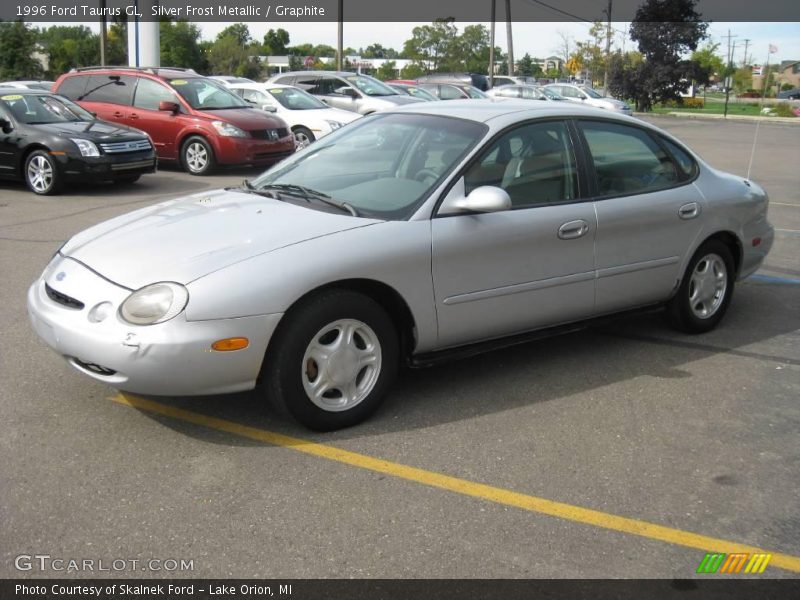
{"x":484,"y":199}
{"x":168,"y":106}
{"x":270,"y":108}
{"x":346,"y":90}
{"x":5,"y":124}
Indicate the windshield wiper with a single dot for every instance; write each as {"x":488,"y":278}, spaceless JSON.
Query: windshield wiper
{"x":308,"y":194}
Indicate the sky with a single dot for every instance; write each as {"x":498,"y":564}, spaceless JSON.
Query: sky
{"x":537,"y":39}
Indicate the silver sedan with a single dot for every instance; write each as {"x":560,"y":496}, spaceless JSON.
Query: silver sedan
{"x":409,"y":236}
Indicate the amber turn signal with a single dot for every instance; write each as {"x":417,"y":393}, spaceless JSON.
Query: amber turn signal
{"x":229,"y":344}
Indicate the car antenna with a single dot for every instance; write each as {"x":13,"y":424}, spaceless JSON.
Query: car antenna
{"x":753,"y":151}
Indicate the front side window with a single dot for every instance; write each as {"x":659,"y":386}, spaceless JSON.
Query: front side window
{"x":369,"y":86}
{"x":150,"y":93}
{"x":626,"y":159}
{"x":569,"y":92}
{"x":450,"y":92}
{"x":534,"y":164}
{"x":328,"y":86}
{"x":384,"y":166}
{"x":530,"y":93}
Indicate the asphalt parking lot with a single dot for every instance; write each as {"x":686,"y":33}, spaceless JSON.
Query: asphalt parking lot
{"x":605,"y":453}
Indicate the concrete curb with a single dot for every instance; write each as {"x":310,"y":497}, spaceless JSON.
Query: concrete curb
{"x":752,"y":119}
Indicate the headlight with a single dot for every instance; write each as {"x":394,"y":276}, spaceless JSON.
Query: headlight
{"x":86,"y":147}
{"x":228,"y":130}
{"x":154,"y":303}
{"x":334,"y":124}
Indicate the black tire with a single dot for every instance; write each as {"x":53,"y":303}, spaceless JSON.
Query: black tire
{"x":127,"y":179}
{"x":41,"y":174}
{"x":288,"y":370}
{"x":197,"y":156}
{"x":301,"y":132}
{"x":683,"y":312}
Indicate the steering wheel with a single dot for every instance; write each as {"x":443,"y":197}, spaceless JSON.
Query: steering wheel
{"x":423,"y":174}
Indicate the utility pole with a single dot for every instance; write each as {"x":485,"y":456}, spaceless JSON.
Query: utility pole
{"x":510,"y":40}
{"x":103,"y":34}
{"x":491,"y":49}
{"x":729,"y":65}
{"x":340,"y":38}
{"x":744,"y":60}
{"x":608,"y":48}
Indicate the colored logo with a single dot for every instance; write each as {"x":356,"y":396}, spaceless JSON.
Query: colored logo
{"x":60,"y":276}
{"x":717,"y":562}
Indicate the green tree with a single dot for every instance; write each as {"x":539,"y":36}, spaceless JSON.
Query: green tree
{"x":473,"y":47}
{"x":17,"y":45}
{"x":67,"y":47}
{"x":117,"y":44}
{"x":665,"y":32}
{"x":387,"y":70}
{"x":180,"y":46}
{"x":412,"y":71}
{"x":434,"y":44}
{"x":276,"y":42}
{"x":742,"y":79}
{"x":707,"y":60}
{"x":239,"y":31}
{"x":228,"y":57}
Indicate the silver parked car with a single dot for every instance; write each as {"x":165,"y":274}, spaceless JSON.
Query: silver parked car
{"x":589,"y":97}
{"x":525,"y":92}
{"x":348,"y":91}
{"x":411,"y":235}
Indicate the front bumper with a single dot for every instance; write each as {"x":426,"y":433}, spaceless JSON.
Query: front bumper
{"x":107,"y":166}
{"x":252,"y":151}
{"x":169,"y":359}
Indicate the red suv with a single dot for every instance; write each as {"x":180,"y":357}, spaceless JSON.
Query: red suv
{"x":191,"y":119}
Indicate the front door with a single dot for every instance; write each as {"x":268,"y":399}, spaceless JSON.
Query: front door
{"x":163,"y":126}
{"x":507,"y":272}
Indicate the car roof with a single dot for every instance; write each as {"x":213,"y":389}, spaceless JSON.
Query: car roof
{"x":337,"y":73}
{"x":27,"y":91}
{"x":511,"y":111}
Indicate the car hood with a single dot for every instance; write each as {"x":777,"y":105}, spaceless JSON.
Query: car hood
{"x":188,"y":238}
{"x":612,"y":102}
{"x":97,"y":131}
{"x":245,"y":118}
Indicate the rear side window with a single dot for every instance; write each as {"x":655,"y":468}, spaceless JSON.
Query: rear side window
{"x":102,"y":88}
{"x":307,"y":83}
{"x":73,"y":87}
{"x":149,"y":94}
{"x":449,"y":92}
{"x":627,"y":160}
{"x":686,"y":164}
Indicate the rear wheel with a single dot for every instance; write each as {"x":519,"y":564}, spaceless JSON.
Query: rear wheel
{"x":705,"y":291}
{"x":41,"y":173}
{"x":333,"y":360}
{"x":197,"y":156}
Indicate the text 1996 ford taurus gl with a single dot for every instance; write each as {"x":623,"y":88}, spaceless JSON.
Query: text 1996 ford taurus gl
{"x":430,"y":228}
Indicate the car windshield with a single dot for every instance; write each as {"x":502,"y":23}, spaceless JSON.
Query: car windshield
{"x":207,"y":94}
{"x":370,"y":86}
{"x":591,"y":93}
{"x":295,"y":99}
{"x":41,"y":109}
{"x":383,"y":166}
{"x":414,"y":91}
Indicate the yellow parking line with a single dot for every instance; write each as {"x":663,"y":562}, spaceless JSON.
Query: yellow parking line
{"x":490,"y":493}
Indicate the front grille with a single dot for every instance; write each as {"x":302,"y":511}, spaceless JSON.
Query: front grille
{"x":121,"y":147}
{"x":269,"y":134}
{"x":63,"y":299}
{"x":273,"y":155}
{"x":95,"y":368}
{"x":139,"y":164}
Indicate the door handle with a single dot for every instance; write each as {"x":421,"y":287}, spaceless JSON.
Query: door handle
{"x":119,"y":115}
{"x":134,"y":116}
{"x":573,"y":229}
{"x":689,"y":211}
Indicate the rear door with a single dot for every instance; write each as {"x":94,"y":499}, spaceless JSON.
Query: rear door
{"x":648,"y":214}
{"x":507,"y":272}
{"x":163,"y":126}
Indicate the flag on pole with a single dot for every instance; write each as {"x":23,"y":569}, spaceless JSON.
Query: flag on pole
{"x":772,"y":49}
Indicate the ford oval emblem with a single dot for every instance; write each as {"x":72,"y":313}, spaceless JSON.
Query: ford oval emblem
{"x":60,"y":276}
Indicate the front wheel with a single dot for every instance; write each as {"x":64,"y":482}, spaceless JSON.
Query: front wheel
{"x":197,"y":156}
{"x":332,"y":360}
{"x":302,"y":137}
{"x":41,"y":173}
{"x":705,"y":291}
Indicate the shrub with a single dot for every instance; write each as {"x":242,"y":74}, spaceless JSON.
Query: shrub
{"x":783,"y":110}
{"x":683,"y":103}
